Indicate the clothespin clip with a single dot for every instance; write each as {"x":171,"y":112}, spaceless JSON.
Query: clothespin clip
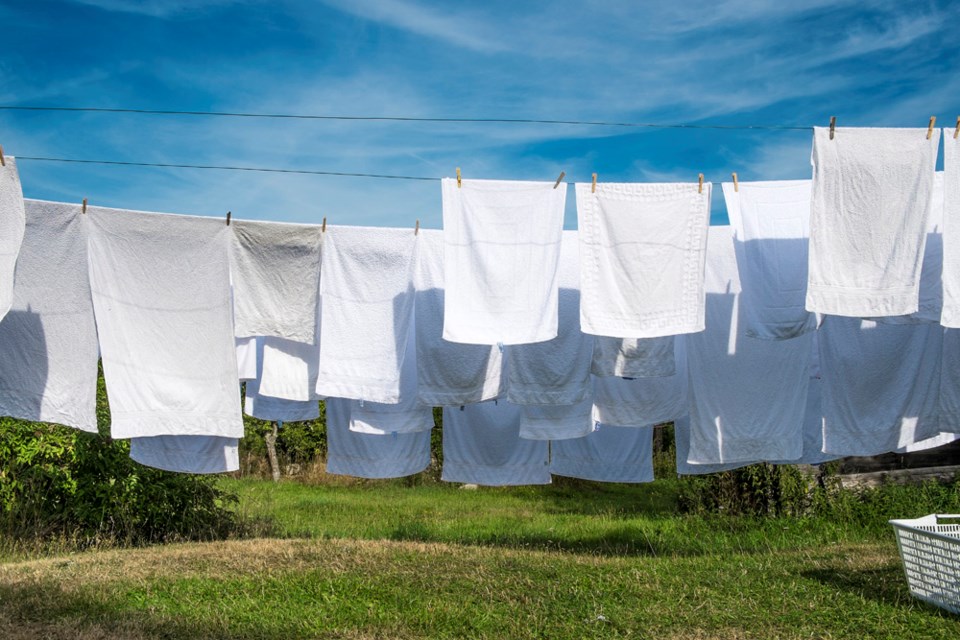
{"x":833,"y":126}
{"x":559,"y":180}
{"x":416,"y":229}
{"x":459,"y":181}
{"x":700,"y":188}
{"x":84,"y":209}
{"x":736,"y":183}
{"x":933,"y":121}
{"x":228,"y":218}
{"x":593,"y":186}
{"x":956,"y":132}
{"x":3,"y":161}
{"x":323,"y":226}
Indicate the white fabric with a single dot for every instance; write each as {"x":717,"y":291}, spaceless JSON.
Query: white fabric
{"x":161,"y":292}
{"x":951,"y":230}
{"x":748,"y":396}
{"x":609,"y":454}
{"x":364,"y":455}
{"x":276,"y":279}
{"x":871,"y":199}
{"x":501,"y":250}
{"x":246,"y":358}
{"x":288,"y":369}
{"x":367,"y":291}
{"x":448,"y":373}
{"x":681,"y":434}
{"x":557,"y":422}
{"x":633,"y":357}
{"x":771,"y":226}
{"x":939,"y":440}
{"x":187,"y":454}
{"x":48,"y":339}
{"x":881,"y":384}
{"x":949,"y":401}
{"x":277,"y":409}
{"x":12,"y":225}
{"x":641,"y":258}
{"x":482,"y":445}
{"x":813,"y":428}
{"x":555,"y":372}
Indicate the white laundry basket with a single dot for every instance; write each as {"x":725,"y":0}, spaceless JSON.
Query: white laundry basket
{"x":930,"y":550}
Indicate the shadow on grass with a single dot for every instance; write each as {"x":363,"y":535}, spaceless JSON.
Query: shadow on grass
{"x":886,"y":585}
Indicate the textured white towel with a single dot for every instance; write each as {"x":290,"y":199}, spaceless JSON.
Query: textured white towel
{"x":364,"y":455}
{"x":771,"y":227}
{"x":277,"y":409}
{"x":187,"y":454}
{"x":881,"y":384}
{"x":448,"y":373}
{"x":871,"y":199}
{"x":748,"y":396}
{"x":12,"y":224}
{"x":951,"y":230}
{"x":48,"y":339}
{"x":555,"y":372}
{"x":367,"y":290}
{"x":633,"y":357}
{"x":482,"y":445}
{"x":276,"y":279}
{"x":609,"y":454}
{"x":557,"y":422}
{"x":501,"y":250}
{"x":288,"y":369}
{"x":161,"y":292}
{"x":246,"y":358}
{"x":641,"y":258}
{"x":681,"y":434}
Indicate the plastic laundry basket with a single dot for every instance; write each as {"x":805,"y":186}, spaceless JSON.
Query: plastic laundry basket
{"x":930,"y":550}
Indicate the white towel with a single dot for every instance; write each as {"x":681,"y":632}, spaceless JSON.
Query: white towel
{"x":12,"y":225}
{"x":881,"y":384}
{"x":681,"y":434}
{"x":949,"y":401}
{"x":364,"y":455}
{"x":871,"y":200}
{"x":555,"y":372}
{"x":951,"y":230}
{"x":187,"y":454}
{"x":288,"y":369}
{"x":813,"y":414}
{"x":633,"y":357}
{"x":748,"y":396}
{"x":276,"y":279}
{"x":482,"y":445}
{"x":501,"y":251}
{"x":48,"y":339}
{"x":448,"y":373}
{"x":557,"y":422}
{"x":367,"y":290}
{"x":161,"y":292}
{"x":609,"y":454}
{"x":277,"y":409}
{"x":771,"y":225}
{"x":641,"y":258}
{"x":246,"y":358}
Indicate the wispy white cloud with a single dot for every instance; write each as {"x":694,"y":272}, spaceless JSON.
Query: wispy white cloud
{"x":159,"y":8}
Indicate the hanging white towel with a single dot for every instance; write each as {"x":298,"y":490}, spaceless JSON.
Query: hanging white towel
{"x":609,"y":454}
{"x":246,"y":358}
{"x":448,"y":373}
{"x":641,"y":258}
{"x":681,"y":434}
{"x":949,"y":400}
{"x":748,"y":396}
{"x":482,"y":445}
{"x":633,"y":357}
{"x":557,"y":422}
{"x":871,"y":199}
{"x":951,"y":230}
{"x":364,"y":455}
{"x":277,"y":409}
{"x":48,"y":339}
{"x":12,"y":225}
{"x":288,"y":369}
{"x":771,"y":227}
{"x":813,"y":414}
{"x":501,"y":252}
{"x":367,"y":291}
{"x":276,"y":279}
{"x":161,"y":293}
{"x":555,"y":372}
{"x":187,"y":454}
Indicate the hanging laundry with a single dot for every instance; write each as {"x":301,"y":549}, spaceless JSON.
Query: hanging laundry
{"x":367,"y":292}
{"x":246,"y":358}
{"x":12,"y":225}
{"x":187,"y":454}
{"x":277,"y":409}
{"x":48,"y":339}
{"x":681,"y":435}
{"x":641,"y":258}
{"x":871,"y":199}
{"x":161,"y":293}
{"x":813,"y":413}
{"x":609,"y":454}
{"x":633,"y":357}
{"x":288,"y":369}
{"x":501,"y":254}
{"x":949,"y":400}
{"x":557,"y":422}
{"x":448,"y":373}
{"x":951,"y":230}
{"x":771,"y":227}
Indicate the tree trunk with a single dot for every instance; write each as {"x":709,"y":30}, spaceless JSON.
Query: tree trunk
{"x":271,"y":440}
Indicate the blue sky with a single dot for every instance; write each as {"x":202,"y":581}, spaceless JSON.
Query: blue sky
{"x":783,"y":63}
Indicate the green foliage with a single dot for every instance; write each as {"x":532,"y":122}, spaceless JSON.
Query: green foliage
{"x":759,"y":489}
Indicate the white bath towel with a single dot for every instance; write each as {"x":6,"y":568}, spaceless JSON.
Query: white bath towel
{"x":364,"y":455}
{"x":448,"y":373}
{"x":501,"y":252}
{"x":276,"y":279}
{"x":871,"y":200}
{"x":48,"y":339}
{"x":367,"y":290}
{"x":288,"y":369}
{"x":12,"y":224}
{"x":609,"y":454}
{"x":246,"y":358}
{"x":681,"y":434}
{"x":951,"y":230}
{"x":161,"y":292}
{"x":633,"y":357}
{"x":555,"y":372}
{"x":771,"y":234}
{"x":813,"y":414}
{"x":557,"y":422}
{"x":748,"y":396}
{"x":277,"y":409}
{"x":187,"y":454}
{"x":949,"y":400}
{"x":881,"y":384}
{"x":641,"y":258}
{"x":482,"y":445}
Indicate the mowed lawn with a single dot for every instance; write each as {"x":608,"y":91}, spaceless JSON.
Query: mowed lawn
{"x":384,"y":560}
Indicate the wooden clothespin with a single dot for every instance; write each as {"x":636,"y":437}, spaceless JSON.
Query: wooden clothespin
{"x":3,"y":161}
{"x":736,"y":183}
{"x":323,"y":226}
{"x":459,"y":181}
{"x":593,"y":186}
{"x":956,"y":132}
{"x":933,"y":121}
{"x":84,"y":208}
{"x":559,"y":180}
{"x":833,"y":126}
{"x":416,"y":229}
{"x":228,"y":218}
{"x":700,"y":188}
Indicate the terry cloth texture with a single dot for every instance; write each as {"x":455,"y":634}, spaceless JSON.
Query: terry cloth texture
{"x":501,"y":253}
{"x":871,"y":199}
{"x":609,"y":454}
{"x":558,"y":422}
{"x":161,"y":293}
{"x":641,"y":258}
{"x":48,"y":339}
{"x":633,"y":357}
{"x":951,"y":230}
{"x":12,"y":225}
{"x":187,"y":454}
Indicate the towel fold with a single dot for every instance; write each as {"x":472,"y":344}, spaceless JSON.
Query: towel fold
{"x":951,"y":230}
{"x":633,"y":357}
{"x":288,"y":369}
{"x":246,"y":358}
{"x":609,"y":454}
{"x":681,"y":433}
{"x":557,"y":422}
{"x":277,"y":409}
{"x":12,"y":225}
{"x":187,"y":454}
{"x":641,"y":256}
{"x":871,"y":199}
{"x":501,"y":251}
